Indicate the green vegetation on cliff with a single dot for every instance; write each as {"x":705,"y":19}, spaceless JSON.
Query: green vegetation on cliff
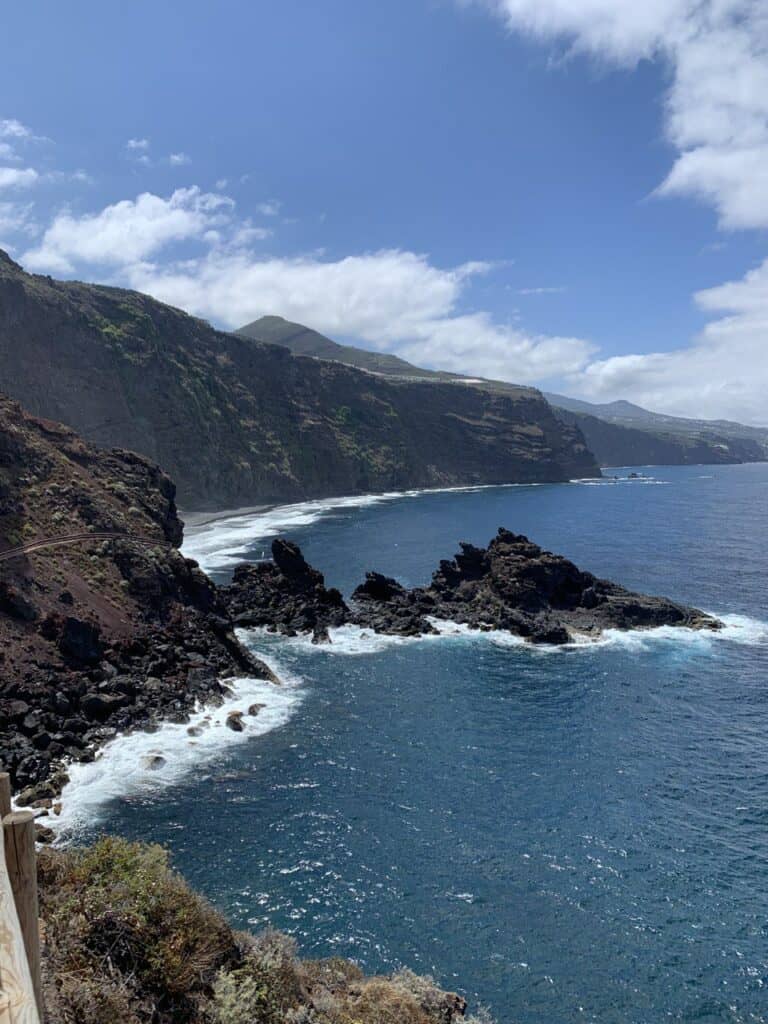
{"x":617,"y":433}
{"x":236,"y":421}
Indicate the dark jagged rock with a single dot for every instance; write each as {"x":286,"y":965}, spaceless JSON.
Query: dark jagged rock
{"x":384,"y":605}
{"x":512,"y":585}
{"x":287,"y":595}
{"x":516,"y":586}
{"x":80,"y":641}
{"x":103,"y":636}
{"x":16,"y":604}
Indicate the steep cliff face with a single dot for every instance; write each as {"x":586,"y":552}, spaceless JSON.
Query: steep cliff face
{"x":615,"y":444}
{"x":235,"y":421}
{"x":104,"y":625}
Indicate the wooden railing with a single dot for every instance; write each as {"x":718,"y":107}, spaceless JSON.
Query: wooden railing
{"x":21,"y":991}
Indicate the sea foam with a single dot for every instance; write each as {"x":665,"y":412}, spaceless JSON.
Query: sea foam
{"x":123,"y":767}
{"x":353,"y":640}
{"x":222,"y":542}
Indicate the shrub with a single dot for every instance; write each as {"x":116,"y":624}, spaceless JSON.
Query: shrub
{"x":118,"y":919}
{"x":127,"y":942}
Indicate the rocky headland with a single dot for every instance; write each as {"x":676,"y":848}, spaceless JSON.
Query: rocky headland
{"x":512,"y":585}
{"x":104,"y":625}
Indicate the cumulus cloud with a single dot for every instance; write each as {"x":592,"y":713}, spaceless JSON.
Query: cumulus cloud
{"x":128,"y":231}
{"x":393,"y":300}
{"x":716,"y":117}
{"x":14,"y":134}
{"x":137,"y":144}
{"x":16,"y":219}
{"x":717,"y":105}
{"x":10,"y":128}
{"x":270,"y":208}
{"x":18,"y":177}
{"x":723,"y":374}
{"x":178,"y":159}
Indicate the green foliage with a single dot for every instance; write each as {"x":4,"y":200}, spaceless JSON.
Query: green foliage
{"x":343,"y":415}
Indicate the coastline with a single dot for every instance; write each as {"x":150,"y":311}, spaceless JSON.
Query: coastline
{"x":306,"y":513}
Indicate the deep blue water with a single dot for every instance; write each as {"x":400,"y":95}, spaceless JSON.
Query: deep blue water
{"x":579,"y":835}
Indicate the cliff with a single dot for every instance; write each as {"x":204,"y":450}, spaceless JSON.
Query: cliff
{"x":104,"y":625}
{"x":617,"y":444}
{"x":235,"y":421}
{"x":617,"y":433}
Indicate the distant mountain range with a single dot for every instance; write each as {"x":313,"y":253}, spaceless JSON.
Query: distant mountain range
{"x":627,"y":414}
{"x":618,"y":433}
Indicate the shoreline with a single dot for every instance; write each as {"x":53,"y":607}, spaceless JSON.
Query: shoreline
{"x":196,"y":519}
{"x":141,"y":761}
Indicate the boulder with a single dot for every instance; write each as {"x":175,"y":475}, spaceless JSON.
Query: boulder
{"x":15,"y":604}
{"x":80,"y":641}
{"x":97,"y":707}
{"x":235,"y":721}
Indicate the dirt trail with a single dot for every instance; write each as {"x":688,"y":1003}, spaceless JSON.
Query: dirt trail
{"x":66,"y":538}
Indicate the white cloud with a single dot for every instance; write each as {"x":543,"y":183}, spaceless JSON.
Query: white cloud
{"x":137,"y":144}
{"x":716,"y":117}
{"x":178,"y":159}
{"x":10,"y":128}
{"x":128,"y":231}
{"x":17,"y":218}
{"x":717,"y":105}
{"x":17,"y":177}
{"x":544,"y":290}
{"x":270,"y":208}
{"x":393,"y":300}
{"x":723,"y":374}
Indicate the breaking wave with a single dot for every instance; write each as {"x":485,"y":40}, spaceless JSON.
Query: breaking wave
{"x":357,"y":640}
{"x":142,"y":764}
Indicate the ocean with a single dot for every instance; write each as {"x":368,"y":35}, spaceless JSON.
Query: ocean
{"x":564,"y":835}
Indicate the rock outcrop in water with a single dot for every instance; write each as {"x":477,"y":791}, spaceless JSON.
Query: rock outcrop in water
{"x":286,"y":594}
{"x":512,"y":585}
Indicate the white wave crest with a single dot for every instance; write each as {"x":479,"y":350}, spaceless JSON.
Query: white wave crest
{"x":612,"y":481}
{"x":144,"y":763}
{"x":222,"y":542}
{"x":356,"y":640}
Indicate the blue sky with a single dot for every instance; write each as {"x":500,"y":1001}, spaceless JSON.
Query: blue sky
{"x":472,"y":185}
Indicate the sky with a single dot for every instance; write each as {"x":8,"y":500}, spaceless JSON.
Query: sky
{"x":567,"y":193}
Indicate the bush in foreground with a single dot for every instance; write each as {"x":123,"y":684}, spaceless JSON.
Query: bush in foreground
{"x":126,"y":940}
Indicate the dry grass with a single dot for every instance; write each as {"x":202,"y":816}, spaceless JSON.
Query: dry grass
{"x":126,"y":940}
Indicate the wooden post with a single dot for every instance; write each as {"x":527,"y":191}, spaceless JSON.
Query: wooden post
{"x":21,"y":861}
{"x":17,"y":992}
{"x":5,"y":798}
